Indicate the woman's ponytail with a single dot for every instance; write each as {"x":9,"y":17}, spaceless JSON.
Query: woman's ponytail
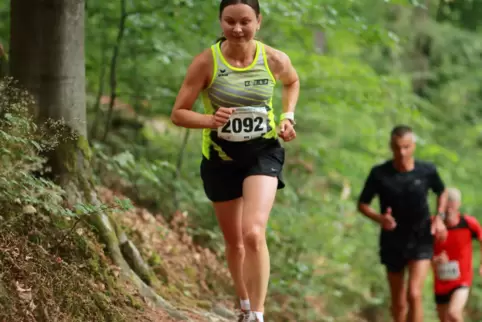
{"x":222,"y":38}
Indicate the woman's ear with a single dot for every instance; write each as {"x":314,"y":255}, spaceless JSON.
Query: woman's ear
{"x":260,"y":18}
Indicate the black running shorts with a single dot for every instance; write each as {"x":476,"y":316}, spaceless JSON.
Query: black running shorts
{"x":445,"y":298}
{"x":396,"y":259}
{"x":223,"y":180}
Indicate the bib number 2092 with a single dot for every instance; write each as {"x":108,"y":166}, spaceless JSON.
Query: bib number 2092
{"x":245,"y":124}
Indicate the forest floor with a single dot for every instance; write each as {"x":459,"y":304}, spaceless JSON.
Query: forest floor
{"x":48,"y":275}
{"x":196,"y":282}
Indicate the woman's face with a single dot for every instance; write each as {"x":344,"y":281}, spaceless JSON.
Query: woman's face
{"x":239,"y":23}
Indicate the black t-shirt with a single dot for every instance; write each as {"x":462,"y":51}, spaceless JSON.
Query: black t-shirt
{"x":406,"y":194}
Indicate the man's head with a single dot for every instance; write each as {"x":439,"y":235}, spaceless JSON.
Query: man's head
{"x":402,"y":143}
{"x":454,"y":199}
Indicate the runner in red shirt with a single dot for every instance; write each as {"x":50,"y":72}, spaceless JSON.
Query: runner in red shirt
{"x":452,"y":261}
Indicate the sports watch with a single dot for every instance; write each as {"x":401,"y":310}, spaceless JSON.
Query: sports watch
{"x":288,"y":116}
{"x":442,"y":215}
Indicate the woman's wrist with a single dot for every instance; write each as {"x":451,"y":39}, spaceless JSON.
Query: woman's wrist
{"x":288,"y":116}
{"x":209,"y":121}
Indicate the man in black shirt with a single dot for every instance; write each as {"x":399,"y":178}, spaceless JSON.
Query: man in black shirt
{"x":406,"y":240}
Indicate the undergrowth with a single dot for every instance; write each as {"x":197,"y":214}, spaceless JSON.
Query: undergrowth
{"x":51,"y":267}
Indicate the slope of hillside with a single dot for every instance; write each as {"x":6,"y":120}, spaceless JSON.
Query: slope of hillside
{"x":193,"y":279}
{"x":75,"y":281}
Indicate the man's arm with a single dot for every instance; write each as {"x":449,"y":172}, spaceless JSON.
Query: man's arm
{"x":442,"y":202}
{"x":438,"y":187}
{"x":366,"y":196}
{"x":476,"y":230}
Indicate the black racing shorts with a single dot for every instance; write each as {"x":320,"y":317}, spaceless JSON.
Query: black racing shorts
{"x":441,"y":299}
{"x":223,"y":180}
{"x":395,"y":259}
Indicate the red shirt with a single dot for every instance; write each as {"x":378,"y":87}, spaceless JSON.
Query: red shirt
{"x":458,"y":247}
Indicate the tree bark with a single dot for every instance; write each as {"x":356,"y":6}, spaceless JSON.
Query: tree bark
{"x":113,"y":68}
{"x":23,"y":60}
{"x":3,"y":63}
{"x":59,"y":84}
{"x":421,"y":50}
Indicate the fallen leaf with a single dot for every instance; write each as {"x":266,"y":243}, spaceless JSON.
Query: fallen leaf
{"x":24,"y":293}
{"x":29,"y":210}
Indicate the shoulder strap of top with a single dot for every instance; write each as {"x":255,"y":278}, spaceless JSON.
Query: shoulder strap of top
{"x":263,"y":60}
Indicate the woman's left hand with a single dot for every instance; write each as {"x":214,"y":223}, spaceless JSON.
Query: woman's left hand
{"x":287,"y":131}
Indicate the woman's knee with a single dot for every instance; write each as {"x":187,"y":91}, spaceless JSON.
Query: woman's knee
{"x":254,"y":237}
{"x":399,"y":305}
{"x":235,"y":247}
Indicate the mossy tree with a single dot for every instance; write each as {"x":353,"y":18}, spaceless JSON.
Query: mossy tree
{"x":47,"y":50}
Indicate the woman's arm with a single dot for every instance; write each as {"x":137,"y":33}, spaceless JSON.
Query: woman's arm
{"x":197,"y":78}
{"x":282,"y":69}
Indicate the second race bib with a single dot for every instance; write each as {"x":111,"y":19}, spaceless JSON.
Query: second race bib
{"x":449,"y":271}
{"x":245,"y":124}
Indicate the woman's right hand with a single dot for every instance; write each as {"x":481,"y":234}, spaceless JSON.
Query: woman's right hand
{"x":221,"y":116}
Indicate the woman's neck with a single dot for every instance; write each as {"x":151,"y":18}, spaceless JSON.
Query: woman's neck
{"x":242,"y":53}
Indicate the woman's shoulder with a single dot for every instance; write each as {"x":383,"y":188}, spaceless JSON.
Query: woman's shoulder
{"x":203,"y":61}
{"x":204,"y":57}
{"x":277,"y":59}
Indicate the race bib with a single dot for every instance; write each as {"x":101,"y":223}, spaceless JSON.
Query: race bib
{"x":449,"y":271}
{"x":245,"y":124}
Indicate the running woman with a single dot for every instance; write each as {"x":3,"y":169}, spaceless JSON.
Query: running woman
{"x":242,"y":158}
{"x":406,"y":240}
{"x":452,"y":262}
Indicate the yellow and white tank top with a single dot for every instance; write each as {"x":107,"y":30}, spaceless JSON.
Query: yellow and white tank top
{"x":250,"y":90}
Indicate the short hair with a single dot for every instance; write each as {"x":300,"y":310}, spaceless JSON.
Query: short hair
{"x":400,"y":130}
{"x":454,"y":194}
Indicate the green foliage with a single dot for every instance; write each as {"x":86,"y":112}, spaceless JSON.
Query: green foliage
{"x":24,"y":146}
{"x":20,"y":144}
{"x":382,"y":64}
{"x":43,"y":259}
{"x":351,"y":96}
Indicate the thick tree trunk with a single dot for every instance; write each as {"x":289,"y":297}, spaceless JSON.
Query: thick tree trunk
{"x":23,"y":59}
{"x":60,"y":86}
{"x":63,"y":64}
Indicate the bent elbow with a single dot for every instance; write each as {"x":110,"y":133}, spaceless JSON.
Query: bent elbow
{"x":175,"y":118}
{"x":361,"y":207}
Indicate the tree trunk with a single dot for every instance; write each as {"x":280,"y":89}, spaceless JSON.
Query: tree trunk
{"x":61,"y":98}
{"x":23,"y":61}
{"x":3,"y":63}
{"x":421,"y":50}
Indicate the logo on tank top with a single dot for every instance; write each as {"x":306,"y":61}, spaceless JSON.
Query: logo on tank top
{"x":257,"y":82}
{"x":222,"y":72}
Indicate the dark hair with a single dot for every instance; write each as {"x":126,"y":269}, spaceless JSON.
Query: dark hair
{"x":400,"y":130}
{"x":224,"y":3}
